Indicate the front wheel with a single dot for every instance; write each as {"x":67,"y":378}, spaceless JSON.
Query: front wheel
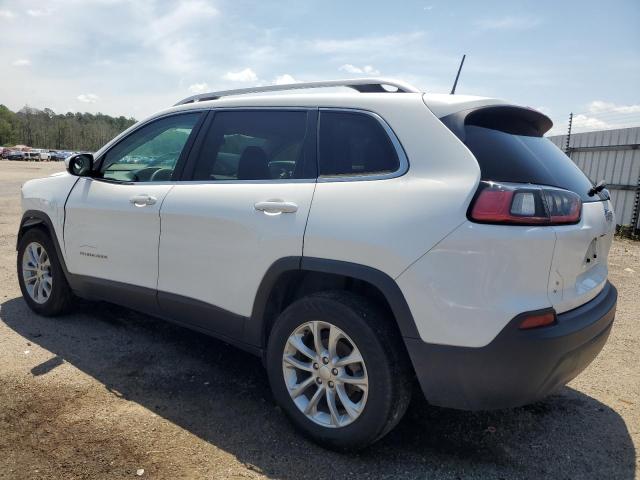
{"x":40,"y":275}
{"x":338,"y":369}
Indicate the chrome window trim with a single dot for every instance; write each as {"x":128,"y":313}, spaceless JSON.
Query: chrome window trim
{"x":403,"y":160}
{"x":403,"y":167}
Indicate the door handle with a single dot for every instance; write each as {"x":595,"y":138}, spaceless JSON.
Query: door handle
{"x":143,"y":200}
{"x":274,"y":207}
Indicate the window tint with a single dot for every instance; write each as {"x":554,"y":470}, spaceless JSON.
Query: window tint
{"x":253,"y":145}
{"x":505,"y":157}
{"x":151,"y":152}
{"x":354,"y":144}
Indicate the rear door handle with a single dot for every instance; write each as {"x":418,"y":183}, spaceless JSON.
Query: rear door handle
{"x":276,"y":206}
{"x":143,"y":200}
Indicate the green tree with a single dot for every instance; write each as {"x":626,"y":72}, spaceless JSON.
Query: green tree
{"x":70,"y":131}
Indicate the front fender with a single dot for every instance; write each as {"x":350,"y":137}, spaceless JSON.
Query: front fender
{"x":43,"y":201}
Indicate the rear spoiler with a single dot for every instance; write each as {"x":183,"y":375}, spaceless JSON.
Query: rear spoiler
{"x":505,"y":118}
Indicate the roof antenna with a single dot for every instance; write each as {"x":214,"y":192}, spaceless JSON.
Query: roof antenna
{"x":455,"y":84}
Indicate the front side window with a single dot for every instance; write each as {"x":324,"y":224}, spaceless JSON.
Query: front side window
{"x":354,"y":143}
{"x":253,"y":145}
{"x":150,"y":154}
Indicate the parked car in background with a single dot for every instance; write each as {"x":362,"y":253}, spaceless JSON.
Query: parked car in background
{"x":15,"y":155}
{"x":43,"y":155}
{"x":59,"y":155}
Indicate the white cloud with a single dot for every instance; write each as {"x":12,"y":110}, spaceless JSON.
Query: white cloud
{"x":199,"y":88}
{"x":365,"y":44}
{"x":88,"y":98}
{"x":367,"y":69}
{"x":598,"y":106}
{"x":172,"y":33}
{"x":22,"y":62}
{"x":179,"y":18}
{"x":246,"y":75}
{"x":284,"y":79}
{"x":177,"y":55}
{"x":508,"y":23}
{"x":38,"y":13}
{"x":586,"y":122}
{"x":6,"y":14}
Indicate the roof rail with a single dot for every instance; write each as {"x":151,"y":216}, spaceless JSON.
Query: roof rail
{"x":363,"y":85}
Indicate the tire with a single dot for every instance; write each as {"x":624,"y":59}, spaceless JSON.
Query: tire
{"x":58,"y":298}
{"x":373,"y":411}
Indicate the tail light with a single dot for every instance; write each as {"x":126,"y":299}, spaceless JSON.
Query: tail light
{"x":519,"y":204}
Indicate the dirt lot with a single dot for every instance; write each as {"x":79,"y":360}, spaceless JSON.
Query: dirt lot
{"x":104,"y":392}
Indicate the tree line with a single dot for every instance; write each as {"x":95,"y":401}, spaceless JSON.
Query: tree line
{"x":68,"y":131}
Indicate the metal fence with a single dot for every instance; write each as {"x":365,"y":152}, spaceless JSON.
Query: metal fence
{"x":613,"y":156}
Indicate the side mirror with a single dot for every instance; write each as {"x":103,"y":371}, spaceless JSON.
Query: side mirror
{"x":79,"y":164}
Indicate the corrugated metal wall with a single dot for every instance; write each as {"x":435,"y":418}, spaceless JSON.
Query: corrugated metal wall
{"x":612,"y":156}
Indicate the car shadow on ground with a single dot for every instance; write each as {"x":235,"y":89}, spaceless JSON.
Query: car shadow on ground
{"x":222,"y":395}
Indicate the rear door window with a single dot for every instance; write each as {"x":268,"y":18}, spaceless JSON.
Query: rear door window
{"x":353,"y":143}
{"x":255,"y":145}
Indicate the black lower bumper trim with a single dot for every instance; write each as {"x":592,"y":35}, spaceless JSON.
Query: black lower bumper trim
{"x":519,"y":366}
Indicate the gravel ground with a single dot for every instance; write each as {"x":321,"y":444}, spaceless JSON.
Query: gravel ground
{"x":104,"y":392}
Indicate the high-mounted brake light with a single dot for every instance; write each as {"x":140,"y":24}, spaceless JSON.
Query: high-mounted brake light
{"x":520,"y":204}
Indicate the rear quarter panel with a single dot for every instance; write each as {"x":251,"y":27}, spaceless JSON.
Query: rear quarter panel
{"x":468,"y":287}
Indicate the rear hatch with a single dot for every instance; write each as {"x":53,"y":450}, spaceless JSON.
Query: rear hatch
{"x":509,"y":146}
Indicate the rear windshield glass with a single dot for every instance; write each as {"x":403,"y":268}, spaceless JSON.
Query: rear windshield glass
{"x":505,"y":157}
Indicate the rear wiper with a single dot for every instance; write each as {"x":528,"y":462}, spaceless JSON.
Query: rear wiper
{"x":597,"y":188}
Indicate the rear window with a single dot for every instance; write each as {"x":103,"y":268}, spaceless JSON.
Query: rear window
{"x":507,"y":157}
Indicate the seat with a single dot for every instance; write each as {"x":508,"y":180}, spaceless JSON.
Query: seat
{"x":253,"y":164}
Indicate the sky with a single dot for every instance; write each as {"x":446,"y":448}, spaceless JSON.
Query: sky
{"x":135,"y":58}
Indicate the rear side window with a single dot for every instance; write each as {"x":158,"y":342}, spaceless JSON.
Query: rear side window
{"x":352,"y":143}
{"x":254,"y":145}
{"x":507,"y":157}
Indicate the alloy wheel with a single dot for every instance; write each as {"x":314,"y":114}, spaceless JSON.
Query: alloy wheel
{"x":325,"y":374}
{"x":36,"y":272}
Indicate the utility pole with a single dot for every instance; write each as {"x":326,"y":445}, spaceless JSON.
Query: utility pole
{"x":566,"y":148}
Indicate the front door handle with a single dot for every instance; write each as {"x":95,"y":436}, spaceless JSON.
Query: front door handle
{"x":274,"y":207}
{"x":143,"y":200}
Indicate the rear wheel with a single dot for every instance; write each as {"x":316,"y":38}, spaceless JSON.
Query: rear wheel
{"x":40,"y":275}
{"x":338,"y":369}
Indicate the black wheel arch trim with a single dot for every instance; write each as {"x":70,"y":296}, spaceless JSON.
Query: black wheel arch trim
{"x":255,"y":331}
{"x":31,"y":218}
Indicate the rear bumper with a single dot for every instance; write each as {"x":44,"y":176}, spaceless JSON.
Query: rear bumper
{"x":519,"y":366}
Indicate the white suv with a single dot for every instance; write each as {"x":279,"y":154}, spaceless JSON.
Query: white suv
{"x":356,"y":241}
